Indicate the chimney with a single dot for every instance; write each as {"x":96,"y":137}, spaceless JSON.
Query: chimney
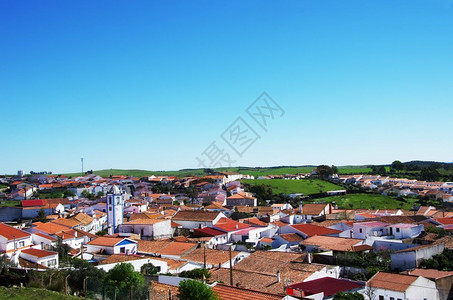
{"x":300,"y":207}
{"x":309,"y":257}
{"x":237,"y":226}
{"x":330,"y":208}
{"x":278,"y":276}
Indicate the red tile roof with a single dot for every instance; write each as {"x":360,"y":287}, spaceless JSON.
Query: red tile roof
{"x":393,"y":282}
{"x":39,"y":253}
{"x":37,"y":202}
{"x":444,"y":221}
{"x":105,"y":241}
{"x":226,"y":292}
{"x":176,"y":248}
{"x":11,"y":233}
{"x":329,"y":286}
{"x":207,"y":231}
{"x":227,"y":225}
{"x":312,"y":230}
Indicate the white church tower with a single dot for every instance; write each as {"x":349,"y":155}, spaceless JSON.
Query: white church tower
{"x":115,"y":209}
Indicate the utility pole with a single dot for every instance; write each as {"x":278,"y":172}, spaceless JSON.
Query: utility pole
{"x":204,"y":256}
{"x":231,"y":268}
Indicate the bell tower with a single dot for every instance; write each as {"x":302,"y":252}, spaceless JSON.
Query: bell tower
{"x":115,"y":209}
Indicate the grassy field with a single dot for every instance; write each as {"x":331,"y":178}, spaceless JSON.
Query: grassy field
{"x":368,"y":201}
{"x":32,"y":293}
{"x":6,"y":203}
{"x":304,"y":186}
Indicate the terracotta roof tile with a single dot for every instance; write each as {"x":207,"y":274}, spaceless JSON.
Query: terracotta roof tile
{"x":226,"y":292}
{"x":312,"y":230}
{"x":10,"y":233}
{"x":393,"y":282}
{"x":39,"y":253}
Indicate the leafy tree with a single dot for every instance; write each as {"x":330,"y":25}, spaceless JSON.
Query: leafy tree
{"x":195,"y":290}
{"x":42,"y":215}
{"x":100,"y":194}
{"x":62,"y":250}
{"x":149,"y":269}
{"x":68,"y":193}
{"x":429,"y":174}
{"x":325,"y":171}
{"x":81,"y":269}
{"x":5,"y":264}
{"x":442,"y":261}
{"x":348,"y":296}
{"x":123,"y":276}
{"x":196,"y":274}
{"x":397,"y":165}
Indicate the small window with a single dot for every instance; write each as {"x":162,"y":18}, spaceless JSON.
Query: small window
{"x":51,"y":262}
{"x":397,"y":230}
{"x":381,"y":297}
{"x":392,"y":298}
{"x":110,"y":208}
{"x":21,"y":244}
{"x":360,"y":230}
{"x":123,"y":250}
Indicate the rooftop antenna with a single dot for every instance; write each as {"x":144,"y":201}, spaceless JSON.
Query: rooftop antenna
{"x":82,"y":164}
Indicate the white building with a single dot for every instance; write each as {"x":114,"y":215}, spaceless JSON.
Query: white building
{"x":43,"y":257}
{"x":111,"y":246}
{"x":115,"y":209}
{"x":388,"y":286}
{"x":151,"y":228}
{"x":12,"y":239}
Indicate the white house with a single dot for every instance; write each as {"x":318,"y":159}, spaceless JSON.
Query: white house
{"x":43,"y":257}
{"x":367,"y":229}
{"x":112,"y":246}
{"x":410,"y":258}
{"x":12,"y":239}
{"x":197,"y":219}
{"x":405,"y":231}
{"x":150,"y":228}
{"x":388,"y":286}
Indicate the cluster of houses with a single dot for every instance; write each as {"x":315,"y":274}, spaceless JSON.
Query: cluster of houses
{"x":270,"y":252}
{"x":401,"y":186}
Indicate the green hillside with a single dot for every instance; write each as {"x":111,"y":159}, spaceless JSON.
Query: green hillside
{"x":32,"y":293}
{"x":304,"y":186}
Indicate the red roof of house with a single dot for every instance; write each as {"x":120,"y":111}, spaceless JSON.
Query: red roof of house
{"x":39,"y":253}
{"x":36,"y":202}
{"x":236,"y":293}
{"x":330,"y":286}
{"x":227,"y":225}
{"x":312,"y":230}
{"x":207,"y":231}
{"x":11,"y":233}
{"x":445,"y":221}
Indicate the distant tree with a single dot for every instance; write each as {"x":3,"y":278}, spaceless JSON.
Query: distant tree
{"x":100,"y":194}
{"x":68,"y":193}
{"x":334,"y":169}
{"x":397,"y":165}
{"x":381,"y":170}
{"x":200,"y":274}
{"x":324,"y":171}
{"x":195,"y":290}
{"x":348,"y":296}
{"x":192,"y":193}
{"x":429,"y":174}
{"x":62,"y":249}
{"x":149,"y":269}
{"x":42,"y":215}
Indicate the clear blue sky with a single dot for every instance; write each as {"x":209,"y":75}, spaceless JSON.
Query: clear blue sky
{"x":151,"y":84}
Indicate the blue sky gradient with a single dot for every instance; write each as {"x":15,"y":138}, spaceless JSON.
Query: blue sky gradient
{"x":150,"y":85}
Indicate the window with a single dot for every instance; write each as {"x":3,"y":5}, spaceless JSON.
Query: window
{"x":392,"y":298}
{"x":360,"y":230}
{"x":123,"y":250}
{"x":397,"y":230}
{"x":52,"y":262}
{"x":381,"y":297}
{"x":110,"y":208}
{"x":21,"y":244}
